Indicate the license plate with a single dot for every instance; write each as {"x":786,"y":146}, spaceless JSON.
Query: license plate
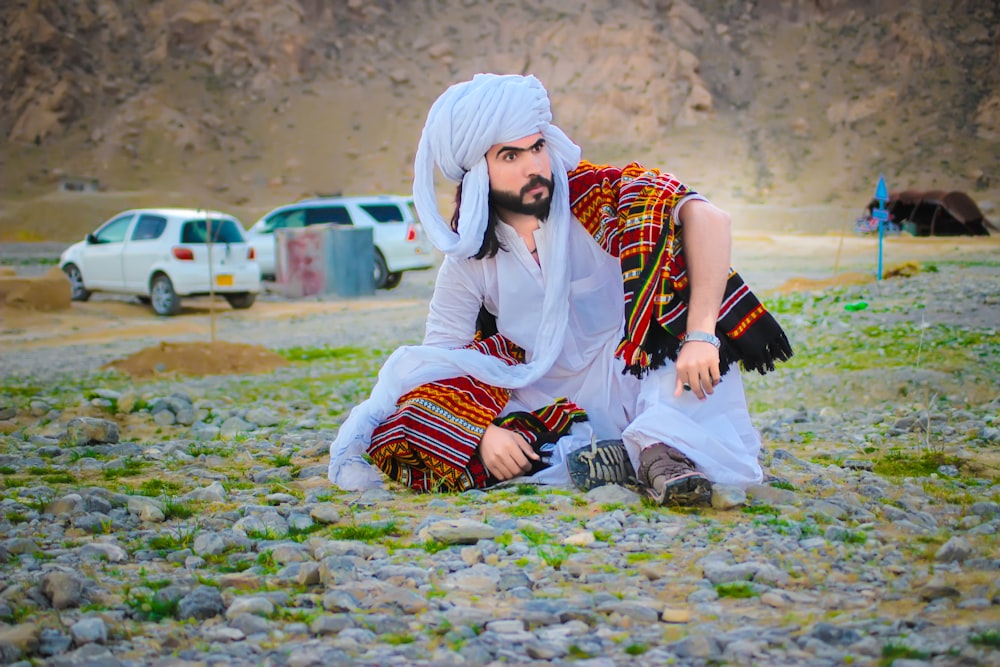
{"x":224,"y":280}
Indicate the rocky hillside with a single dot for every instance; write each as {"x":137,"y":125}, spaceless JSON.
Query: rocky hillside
{"x":244,"y":104}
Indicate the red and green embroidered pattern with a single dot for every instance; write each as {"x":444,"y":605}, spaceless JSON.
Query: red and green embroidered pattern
{"x":430,"y":442}
{"x":627,"y":210}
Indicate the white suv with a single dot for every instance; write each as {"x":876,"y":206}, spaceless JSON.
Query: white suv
{"x":400,"y":244}
{"x":161,"y":255}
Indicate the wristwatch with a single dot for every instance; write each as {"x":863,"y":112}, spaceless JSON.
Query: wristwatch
{"x":703,"y":337}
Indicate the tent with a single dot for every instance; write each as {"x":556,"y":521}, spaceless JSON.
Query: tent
{"x":935,"y":213}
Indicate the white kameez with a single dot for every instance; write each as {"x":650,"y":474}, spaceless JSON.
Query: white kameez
{"x":570,"y":342}
{"x":716,"y":433}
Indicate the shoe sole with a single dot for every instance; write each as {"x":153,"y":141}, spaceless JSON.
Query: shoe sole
{"x":689,"y":489}
{"x":606,"y":462}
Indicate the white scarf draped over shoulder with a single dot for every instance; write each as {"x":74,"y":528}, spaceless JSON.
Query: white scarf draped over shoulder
{"x":462,"y":125}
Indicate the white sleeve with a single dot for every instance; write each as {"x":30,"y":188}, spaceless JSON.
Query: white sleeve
{"x":677,"y":207}
{"x":454,"y":307}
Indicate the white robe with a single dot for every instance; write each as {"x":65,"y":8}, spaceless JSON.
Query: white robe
{"x":716,"y":433}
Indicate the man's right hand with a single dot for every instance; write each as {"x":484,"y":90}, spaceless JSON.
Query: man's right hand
{"x":505,"y":454}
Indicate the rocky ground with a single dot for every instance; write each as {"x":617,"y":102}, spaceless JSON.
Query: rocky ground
{"x":188,"y":520}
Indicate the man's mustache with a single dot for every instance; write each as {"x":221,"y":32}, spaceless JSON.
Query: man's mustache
{"x":535,"y":182}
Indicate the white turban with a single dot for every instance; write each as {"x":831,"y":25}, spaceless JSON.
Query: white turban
{"x":464,"y":122}
{"x":462,"y":125}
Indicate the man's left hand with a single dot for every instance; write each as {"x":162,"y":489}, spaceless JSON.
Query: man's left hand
{"x":698,"y":368}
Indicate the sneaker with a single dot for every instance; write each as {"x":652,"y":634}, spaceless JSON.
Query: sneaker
{"x":669,"y":477}
{"x":604,"y":462}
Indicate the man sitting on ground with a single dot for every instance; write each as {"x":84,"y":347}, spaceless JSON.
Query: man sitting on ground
{"x":576,"y":303}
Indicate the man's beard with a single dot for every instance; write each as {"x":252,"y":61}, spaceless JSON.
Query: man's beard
{"x":514,"y":201}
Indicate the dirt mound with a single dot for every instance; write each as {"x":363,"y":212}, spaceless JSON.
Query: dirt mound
{"x":819,"y":284}
{"x":46,"y":293}
{"x":902,"y":270}
{"x":218,"y":358}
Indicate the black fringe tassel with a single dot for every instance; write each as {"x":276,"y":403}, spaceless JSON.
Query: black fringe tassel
{"x":661,"y":346}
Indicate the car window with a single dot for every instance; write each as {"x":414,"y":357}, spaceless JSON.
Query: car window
{"x":114,"y":231}
{"x":285,"y":219}
{"x":223,"y":231}
{"x":337,"y":215}
{"x":383,"y":212}
{"x":149,"y":227}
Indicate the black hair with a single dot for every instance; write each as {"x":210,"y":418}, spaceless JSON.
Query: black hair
{"x":491,"y":242}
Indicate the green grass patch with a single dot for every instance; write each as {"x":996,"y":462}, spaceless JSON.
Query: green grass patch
{"x":989,"y":638}
{"x":853,"y":537}
{"x":266,"y":562}
{"x":574,"y":652}
{"x":38,"y":504}
{"x":184,"y":539}
{"x":267,"y":535}
{"x":434,"y":546}
{"x":324,"y":353}
{"x":639,"y":557}
{"x":152,"y":608}
{"x":527,"y":507}
{"x":281,"y":460}
{"x":176,"y":510}
{"x":901,"y":344}
{"x":365,"y":532}
{"x":761,"y":509}
{"x":19,"y":613}
{"x":735,"y":589}
{"x":778,"y":525}
{"x":59,"y":477}
{"x":535,"y":536}
{"x":897,"y":463}
{"x":158,"y":487}
{"x":25,"y":391}
{"x":86,"y":453}
{"x":302,"y":534}
{"x":893,"y":651}
{"x":52,"y":475}
{"x":555,"y":555}
{"x":128,"y":468}
{"x":197,"y":450}
{"x":636,"y":649}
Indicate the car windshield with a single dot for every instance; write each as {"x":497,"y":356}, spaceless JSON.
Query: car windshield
{"x":223,"y":231}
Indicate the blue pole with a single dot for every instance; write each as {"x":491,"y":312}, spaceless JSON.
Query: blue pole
{"x":881,"y":234}
{"x":882,"y":215}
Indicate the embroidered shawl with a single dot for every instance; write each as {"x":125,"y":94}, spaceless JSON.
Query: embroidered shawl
{"x":630,"y":213}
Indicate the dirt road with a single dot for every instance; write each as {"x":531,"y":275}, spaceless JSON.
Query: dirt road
{"x":767,"y":261}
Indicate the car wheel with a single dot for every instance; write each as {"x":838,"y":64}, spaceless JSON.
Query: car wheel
{"x":393,"y":280}
{"x":381,"y":271}
{"x":241,"y":300}
{"x":165,"y":301}
{"x":79,"y":292}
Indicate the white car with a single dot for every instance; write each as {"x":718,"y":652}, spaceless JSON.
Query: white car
{"x":400,"y":244}
{"x":161,"y":255}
